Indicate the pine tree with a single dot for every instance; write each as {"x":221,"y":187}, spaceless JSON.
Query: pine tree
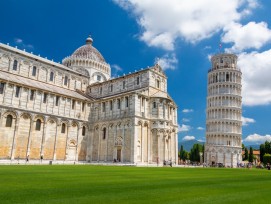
{"x":250,"y":158}
{"x":246,"y":154}
{"x":182,"y":153}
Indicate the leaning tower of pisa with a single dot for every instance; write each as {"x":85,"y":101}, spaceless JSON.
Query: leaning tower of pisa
{"x":224,"y":112}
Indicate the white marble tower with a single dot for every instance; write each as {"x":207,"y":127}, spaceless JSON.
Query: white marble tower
{"x":224,"y":111}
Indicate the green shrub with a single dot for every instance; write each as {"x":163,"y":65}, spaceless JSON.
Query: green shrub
{"x":267,"y":158}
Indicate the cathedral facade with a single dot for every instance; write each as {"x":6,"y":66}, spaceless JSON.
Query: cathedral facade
{"x":75,"y":111}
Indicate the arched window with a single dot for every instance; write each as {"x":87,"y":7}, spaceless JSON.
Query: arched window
{"x":17,"y":92}
{"x":104,"y":133}
{"x":34,"y":71}
{"x":111,"y":105}
{"x":227,"y":77}
{"x":38,"y":124}
{"x":2,"y":86}
{"x":157,"y":83}
{"x":154,"y":104}
{"x":137,"y":80}
{"x":15,"y":64}
{"x":99,"y":78}
{"x":9,"y":121}
{"x":63,"y":128}
{"x":103,"y":106}
{"x":83,"y":131}
{"x":66,"y":81}
{"x":118,"y":103}
{"x":83,"y":106}
{"x":101,"y":90}
{"x":127,"y":101}
{"x":52,"y":76}
{"x":32,"y":92}
{"x":123,"y":84}
{"x":73,"y":104}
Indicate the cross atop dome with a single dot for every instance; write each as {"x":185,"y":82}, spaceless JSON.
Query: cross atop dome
{"x":89,"y":40}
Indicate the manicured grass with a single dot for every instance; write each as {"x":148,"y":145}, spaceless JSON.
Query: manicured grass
{"x":111,"y":184}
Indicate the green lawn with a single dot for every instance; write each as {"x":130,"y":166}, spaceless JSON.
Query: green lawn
{"x":111,"y":184}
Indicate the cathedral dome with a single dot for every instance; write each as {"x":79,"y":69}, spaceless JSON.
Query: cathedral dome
{"x":87,"y":51}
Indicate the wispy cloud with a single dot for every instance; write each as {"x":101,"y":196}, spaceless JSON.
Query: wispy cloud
{"x":20,"y":43}
{"x":168,"y":61}
{"x":186,"y":120}
{"x":116,"y":67}
{"x":116,"y":70}
{"x":200,"y":128}
{"x":187,"y":110}
{"x":246,"y":121}
{"x":18,"y":40}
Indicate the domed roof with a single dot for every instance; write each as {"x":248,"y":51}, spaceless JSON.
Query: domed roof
{"x":87,"y":51}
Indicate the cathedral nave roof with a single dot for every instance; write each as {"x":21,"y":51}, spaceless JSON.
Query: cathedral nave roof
{"x":40,"y":85}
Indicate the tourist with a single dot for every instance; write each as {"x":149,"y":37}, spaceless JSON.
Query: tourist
{"x":268,"y":166}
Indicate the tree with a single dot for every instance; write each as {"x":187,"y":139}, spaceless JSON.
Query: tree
{"x":246,"y":155}
{"x":203,"y":149}
{"x":267,"y":147}
{"x":243,"y":146}
{"x":183,"y":154}
{"x":267,"y":158}
{"x":262,"y":152}
{"x":250,"y":157}
{"x":195,"y":152}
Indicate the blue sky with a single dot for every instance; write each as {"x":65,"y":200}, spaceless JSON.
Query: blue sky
{"x":183,"y":34}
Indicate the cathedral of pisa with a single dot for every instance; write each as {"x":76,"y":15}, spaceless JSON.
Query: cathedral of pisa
{"x":75,"y":112}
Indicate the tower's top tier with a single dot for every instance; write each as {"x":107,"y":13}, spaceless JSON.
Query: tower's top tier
{"x":224,"y":61}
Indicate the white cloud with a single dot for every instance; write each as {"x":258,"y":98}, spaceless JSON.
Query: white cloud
{"x":186,"y":138}
{"x":200,"y":128}
{"x":256,"y":69}
{"x":252,"y":35}
{"x":184,"y":128}
{"x":168,"y":61}
{"x":187,"y":110}
{"x":116,"y":67}
{"x":246,"y":121}
{"x":163,"y":21}
{"x":255,"y":138}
